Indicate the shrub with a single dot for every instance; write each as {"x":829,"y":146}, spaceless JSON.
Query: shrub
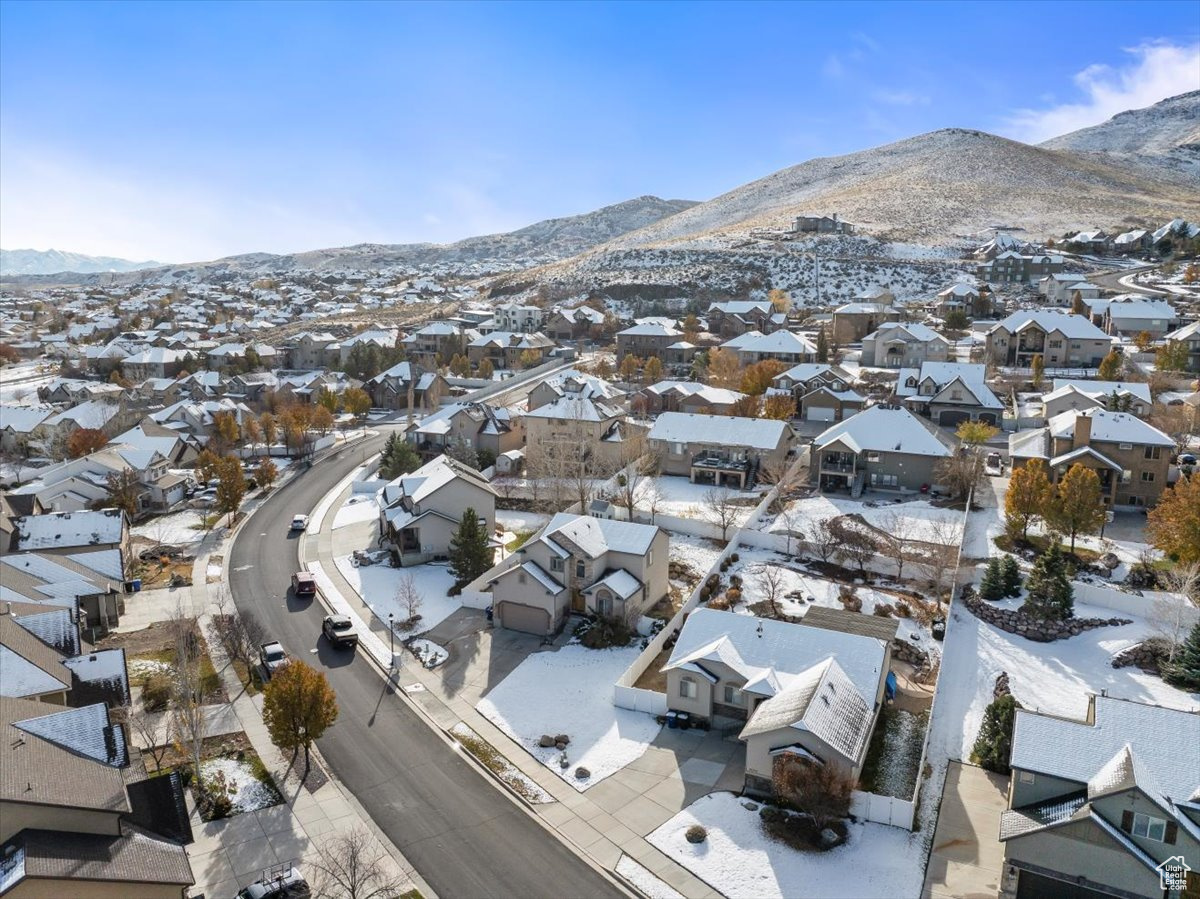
{"x":156,"y":692}
{"x":1010,"y":576}
{"x":734,"y":595}
{"x":993,"y":746}
{"x":991,"y":587}
{"x":883,"y":610}
{"x":734,"y":557}
{"x":735,"y":580}
{"x":1051,"y":596}
{"x":903,"y":609}
{"x":607,"y":632}
{"x":705,"y":593}
{"x":696,"y":834}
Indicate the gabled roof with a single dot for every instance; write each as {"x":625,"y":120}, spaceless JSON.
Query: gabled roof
{"x":619,"y":581}
{"x":134,"y":855}
{"x":687,"y":427}
{"x":576,"y":407}
{"x":918,"y":332}
{"x":1109,"y":427}
{"x":1098,"y":389}
{"x":1073,"y":327}
{"x":650,"y":329}
{"x":887,"y":429}
{"x":775,"y":342}
{"x":56,"y":530}
{"x":597,"y":536}
{"x":431,"y":477}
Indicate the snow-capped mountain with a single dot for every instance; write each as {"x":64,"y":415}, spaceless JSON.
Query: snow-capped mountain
{"x":1167,"y":133}
{"x":49,"y":262}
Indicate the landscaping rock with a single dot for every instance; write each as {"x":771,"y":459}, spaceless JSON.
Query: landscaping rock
{"x":696,"y":834}
{"x":830,"y":838}
{"x":560,"y":746}
{"x":546,"y":741}
{"x":1148,"y":656}
{"x":1016,"y":621}
{"x":582,"y":773}
{"x":562,"y":738}
{"x":750,"y":806}
{"x":1001,"y":687}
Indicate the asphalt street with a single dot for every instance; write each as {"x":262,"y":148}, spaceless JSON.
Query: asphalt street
{"x":465,"y":837}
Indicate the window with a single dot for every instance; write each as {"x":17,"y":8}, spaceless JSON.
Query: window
{"x":1153,"y":452}
{"x":1125,"y":446}
{"x":733,"y":696}
{"x":1026,"y":777}
{"x":1056,"y":344}
{"x":580,"y":569}
{"x":872,"y":457}
{"x":883,"y":480}
{"x":521,"y":577}
{"x":687,"y":688}
{"x":556,"y":564}
{"x":650,"y":557}
{"x":956,"y":394}
{"x":1147,"y":477}
{"x":1126,"y":476}
{"x":1149,"y":827}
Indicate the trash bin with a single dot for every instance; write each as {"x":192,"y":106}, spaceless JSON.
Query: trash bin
{"x":938,"y":627}
{"x":684,"y":720}
{"x":673,"y":720}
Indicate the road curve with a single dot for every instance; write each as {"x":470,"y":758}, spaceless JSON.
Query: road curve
{"x":466,"y":838}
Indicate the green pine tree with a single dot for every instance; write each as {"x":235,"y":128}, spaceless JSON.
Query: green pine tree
{"x":470,"y":555}
{"x":1050,"y":594}
{"x":822,"y":346}
{"x":1010,"y":576}
{"x":993,"y":746}
{"x":1184,"y":670}
{"x":992,"y":586}
{"x":398,"y":457}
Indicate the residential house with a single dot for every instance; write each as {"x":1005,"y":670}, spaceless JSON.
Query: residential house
{"x":646,"y":339}
{"x":1100,"y":807}
{"x":41,"y":659}
{"x":1138,"y":240}
{"x":230,"y":355}
{"x":782,"y":346}
{"x":968,"y":299}
{"x":510,"y":349}
{"x":814,"y":223}
{"x":380,"y":338}
{"x":721,"y":449}
{"x":88,"y":585}
{"x":489,"y":431}
{"x":575,"y":428}
{"x":437,"y":343}
{"x":1014,"y":268}
{"x":22,"y":425}
{"x":736,"y":317}
{"x":75,"y":819}
{"x":572,"y":382}
{"x":420,"y":511}
{"x":949,"y":393}
{"x":573,"y":324}
{"x":1130,"y":457}
{"x":406,"y":383}
{"x":1098,"y":242}
{"x":518,"y":318}
{"x":822,"y":391}
{"x":1061,"y":339}
{"x":312,"y":350}
{"x":686,"y":396}
{"x":1116,"y":396}
{"x":854,"y":321}
{"x":902,"y":345}
{"x":582,"y":565}
{"x":71,"y":533}
{"x":806,"y":693}
{"x":1062,"y":289}
{"x":199,"y":418}
{"x":1002,"y":243}
{"x":884,"y":447}
{"x":1130,"y":315}
{"x":99,"y":415}
{"x":156,"y":362}
{"x":1189,"y":335}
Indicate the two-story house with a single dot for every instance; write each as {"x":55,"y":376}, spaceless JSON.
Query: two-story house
{"x":578,"y":564}
{"x":969,"y":299}
{"x":312,"y":350}
{"x":488,"y":430}
{"x":1130,"y":457}
{"x":949,"y":393}
{"x":1011,"y":267}
{"x":1129,"y":316}
{"x":1070,"y":394}
{"x":646,"y":339}
{"x":572,"y":425}
{"x":1189,"y":336}
{"x":1062,"y":289}
{"x":509,"y":349}
{"x":437,"y":343}
{"x":814,"y":692}
{"x":421,"y":510}
{"x":572,"y":382}
{"x":854,"y":321}
{"x":156,"y":362}
{"x":736,"y":317}
{"x":405,"y":385}
{"x":686,"y":396}
{"x":822,"y":391}
{"x":719,"y":449}
{"x":574,"y":324}
{"x":884,"y":447}
{"x":1099,"y":807}
{"x":904,"y":345}
{"x":518,"y":318}
{"x":782,"y":346}
{"x":1061,"y":339}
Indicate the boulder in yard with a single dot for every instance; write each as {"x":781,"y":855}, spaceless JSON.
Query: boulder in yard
{"x":546,"y":741}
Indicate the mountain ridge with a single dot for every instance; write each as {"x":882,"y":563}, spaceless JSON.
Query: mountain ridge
{"x":52,"y":261}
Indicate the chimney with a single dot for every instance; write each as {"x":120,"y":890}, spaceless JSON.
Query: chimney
{"x":1083,"y":431}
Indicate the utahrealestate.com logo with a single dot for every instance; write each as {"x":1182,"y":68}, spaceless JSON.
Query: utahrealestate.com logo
{"x":1172,"y":874}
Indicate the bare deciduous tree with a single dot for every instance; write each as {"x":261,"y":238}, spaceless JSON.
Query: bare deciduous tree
{"x":353,"y":865}
{"x":939,"y":554}
{"x":818,"y":790}
{"x":1174,"y":616}
{"x":820,"y":539}
{"x":187,"y":689}
{"x":146,"y":726}
{"x":857,"y":547}
{"x":773,"y":582}
{"x":719,"y":508}
{"x":897,"y":543}
{"x":408,"y":598}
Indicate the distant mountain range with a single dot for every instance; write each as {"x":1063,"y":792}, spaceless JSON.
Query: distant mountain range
{"x":49,"y":262}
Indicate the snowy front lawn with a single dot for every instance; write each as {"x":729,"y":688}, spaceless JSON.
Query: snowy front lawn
{"x":518,"y":522}
{"x":178,"y":528}
{"x":377,"y":585}
{"x":920,"y":519}
{"x":571,"y":692}
{"x":739,"y":859}
{"x":358,"y":508}
{"x":248,"y":785}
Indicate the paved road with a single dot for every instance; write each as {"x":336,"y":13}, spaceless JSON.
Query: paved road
{"x":463,"y":835}
{"x":1112,"y":281}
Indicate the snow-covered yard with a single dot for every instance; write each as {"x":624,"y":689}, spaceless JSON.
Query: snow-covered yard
{"x":358,"y":508}
{"x":570,"y":692}
{"x":247,"y":792}
{"x":680,"y":497}
{"x":921,"y":520}
{"x":517,"y":521}
{"x":377,"y":585}
{"x":177,"y":528}
{"x":739,"y":859}
{"x":698,"y":553}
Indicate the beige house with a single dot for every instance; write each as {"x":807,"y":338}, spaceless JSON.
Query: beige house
{"x":686,"y":396}
{"x":487,"y":430}
{"x":854,"y":321}
{"x":723,"y":450}
{"x":646,"y":339}
{"x":422,"y":510}
{"x":810,"y":692}
{"x":582,"y":565}
{"x":1061,"y":339}
{"x":1130,"y":457}
{"x":901,"y":345}
{"x":558,"y":432}
{"x":509,"y":349}
{"x":1078,"y":395}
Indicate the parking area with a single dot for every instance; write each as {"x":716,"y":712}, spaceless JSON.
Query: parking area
{"x":967,"y":856}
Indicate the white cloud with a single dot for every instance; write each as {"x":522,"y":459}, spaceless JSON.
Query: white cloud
{"x":1158,"y":70}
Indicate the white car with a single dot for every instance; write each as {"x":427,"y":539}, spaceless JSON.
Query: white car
{"x":300,"y":523}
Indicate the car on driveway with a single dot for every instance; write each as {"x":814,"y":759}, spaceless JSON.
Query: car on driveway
{"x":339,"y":630}
{"x":277,"y":884}
{"x":993,"y":465}
{"x":300,"y":523}
{"x":273,"y":657}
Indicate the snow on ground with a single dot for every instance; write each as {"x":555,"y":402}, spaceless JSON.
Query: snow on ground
{"x":177,"y":528}
{"x":1050,"y":677}
{"x":680,"y":497}
{"x":377,"y":584}
{"x":516,"y":521}
{"x":926,"y":522}
{"x":697,"y":552}
{"x":645,"y":880}
{"x":145,"y":667}
{"x":570,"y":692}
{"x":428,"y":653}
{"x":739,"y":859}
{"x":251,"y":793}
{"x":213,"y":569}
{"x":358,"y":508}
{"x":983,"y":527}
{"x":503,"y":768}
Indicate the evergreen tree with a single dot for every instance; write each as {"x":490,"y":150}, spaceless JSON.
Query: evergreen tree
{"x":1050,"y":594}
{"x":398,"y":458}
{"x":1184,"y":670}
{"x":470,"y":555}
{"x":822,"y":346}
{"x":1010,"y":576}
{"x":992,"y":586}
{"x":993,"y":746}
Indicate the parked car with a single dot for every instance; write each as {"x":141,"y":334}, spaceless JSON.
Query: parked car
{"x":304,"y":584}
{"x":277,"y":884}
{"x":272,"y":656}
{"x":300,"y":523}
{"x":339,"y":630}
{"x":994,"y":465}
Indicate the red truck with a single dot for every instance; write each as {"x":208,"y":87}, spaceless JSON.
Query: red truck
{"x":304,"y":585}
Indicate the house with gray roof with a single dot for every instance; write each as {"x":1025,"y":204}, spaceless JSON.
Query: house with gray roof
{"x":1098,"y":807}
{"x":1062,"y":340}
{"x":723,"y":450}
{"x":884,"y":447}
{"x":904,"y":345}
{"x":421,"y":510}
{"x":1189,"y":336}
{"x":949,"y":393}
{"x":1116,"y":396}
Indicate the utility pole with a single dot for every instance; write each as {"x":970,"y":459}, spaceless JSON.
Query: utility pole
{"x":817,"y":272}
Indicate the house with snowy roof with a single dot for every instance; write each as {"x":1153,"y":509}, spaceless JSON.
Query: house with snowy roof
{"x":1130,"y":457}
{"x":577,"y":427}
{"x":823,"y":392}
{"x":723,"y":450}
{"x":1011,"y":267}
{"x":903,"y":345}
{"x":1189,"y":336}
{"x":1062,"y":288}
{"x":21,"y":425}
{"x":949,"y":393}
{"x":729,"y":319}
{"x":686,"y":396}
{"x":852,"y":322}
{"x":1097,"y":807}
{"x":509,"y":349}
{"x":1062,"y":340}
{"x":579,"y":565}
{"x":971,"y":300}
{"x":798,"y":691}
{"x":32,"y":667}
{"x":420,"y":511}
{"x":575,"y":383}
{"x":573,"y":324}
{"x":518,"y":317}
{"x":1132,"y":314}
{"x":486,"y":429}
{"x":884,"y":447}
{"x":1069,"y":394}
{"x":646,"y":339}
{"x":780,"y":345}
{"x":406,"y":382}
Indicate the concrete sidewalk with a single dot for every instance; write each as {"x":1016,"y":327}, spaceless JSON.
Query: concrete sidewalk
{"x":967,"y":857}
{"x":604,"y":823}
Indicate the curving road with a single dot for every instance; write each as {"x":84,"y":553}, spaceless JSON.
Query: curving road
{"x":465,"y":837}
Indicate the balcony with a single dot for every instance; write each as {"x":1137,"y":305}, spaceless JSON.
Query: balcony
{"x":715,"y":462}
{"x":838,"y":463}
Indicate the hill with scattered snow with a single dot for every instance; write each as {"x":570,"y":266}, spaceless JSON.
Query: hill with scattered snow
{"x":49,"y":262}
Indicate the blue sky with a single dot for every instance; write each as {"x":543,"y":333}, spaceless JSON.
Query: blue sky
{"x":181,"y":131}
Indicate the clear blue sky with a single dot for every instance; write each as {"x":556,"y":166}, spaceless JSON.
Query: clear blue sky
{"x":182,"y":131}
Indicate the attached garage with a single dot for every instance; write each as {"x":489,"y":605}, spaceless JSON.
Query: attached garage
{"x":820,"y":413}
{"x":988,"y":418}
{"x":1038,"y":886}
{"x":953,"y":417}
{"x":528,"y":619}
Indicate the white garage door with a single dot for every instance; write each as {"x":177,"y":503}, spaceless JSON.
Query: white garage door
{"x":820,"y":413}
{"x":529,"y":619}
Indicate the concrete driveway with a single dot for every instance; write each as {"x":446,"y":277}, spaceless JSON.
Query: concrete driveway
{"x":967,"y":855}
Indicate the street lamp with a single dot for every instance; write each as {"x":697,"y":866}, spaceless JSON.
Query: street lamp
{"x":392,"y":640}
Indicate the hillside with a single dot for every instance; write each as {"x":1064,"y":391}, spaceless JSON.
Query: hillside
{"x":49,"y":262}
{"x":1165,"y":134}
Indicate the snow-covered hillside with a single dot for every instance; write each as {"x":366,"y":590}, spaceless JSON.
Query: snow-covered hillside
{"x":48,"y":262}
